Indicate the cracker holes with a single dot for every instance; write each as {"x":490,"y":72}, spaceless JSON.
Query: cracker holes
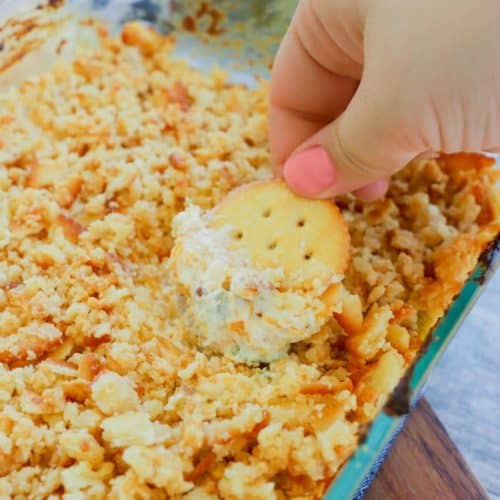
{"x":266,"y":214}
{"x":301,"y":223}
{"x":238,"y":235}
{"x":308,"y":255}
{"x":272,"y":245}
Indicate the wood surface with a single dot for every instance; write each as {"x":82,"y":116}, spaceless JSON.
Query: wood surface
{"x":425,"y":464}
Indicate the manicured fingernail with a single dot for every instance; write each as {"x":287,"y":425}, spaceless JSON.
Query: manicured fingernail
{"x":309,"y":172}
{"x":373,"y":191}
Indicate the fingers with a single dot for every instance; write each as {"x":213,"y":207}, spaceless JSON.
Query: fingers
{"x":363,"y":145}
{"x":317,"y":100}
{"x":495,"y":151}
{"x":373,"y":191}
{"x":315,"y":74}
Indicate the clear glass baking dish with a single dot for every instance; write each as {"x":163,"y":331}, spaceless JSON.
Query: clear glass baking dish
{"x":241,"y":37}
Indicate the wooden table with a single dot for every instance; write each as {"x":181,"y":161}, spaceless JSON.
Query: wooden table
{"x":424,"y":464}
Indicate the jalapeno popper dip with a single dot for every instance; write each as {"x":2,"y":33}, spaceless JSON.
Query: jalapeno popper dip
{"x":104,"y":390}
{"x":259,"y":272}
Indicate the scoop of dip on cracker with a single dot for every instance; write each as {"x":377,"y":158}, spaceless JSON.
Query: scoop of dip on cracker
{"x":259,"y":272}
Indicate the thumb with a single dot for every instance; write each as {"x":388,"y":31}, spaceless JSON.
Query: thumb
{"x":366,"y":144}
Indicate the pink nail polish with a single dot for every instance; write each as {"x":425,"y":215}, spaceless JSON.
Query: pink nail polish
{"x":309,"y":172}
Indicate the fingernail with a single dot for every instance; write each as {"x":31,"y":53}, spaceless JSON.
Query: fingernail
{"x":373,"y":191}
{"x":309,"y":172}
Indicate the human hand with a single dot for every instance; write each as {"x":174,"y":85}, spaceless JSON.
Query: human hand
{"x":361,"y":87}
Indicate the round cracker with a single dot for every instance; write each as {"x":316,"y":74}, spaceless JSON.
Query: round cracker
{"x":307,"y":238}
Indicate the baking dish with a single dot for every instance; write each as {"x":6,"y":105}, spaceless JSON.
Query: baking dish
{"x":241,"y":37}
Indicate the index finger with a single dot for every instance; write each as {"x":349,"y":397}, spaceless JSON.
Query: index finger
{"x":315,"y":74}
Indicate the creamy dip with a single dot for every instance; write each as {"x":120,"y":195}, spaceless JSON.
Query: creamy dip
{"x":231,"y":307}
